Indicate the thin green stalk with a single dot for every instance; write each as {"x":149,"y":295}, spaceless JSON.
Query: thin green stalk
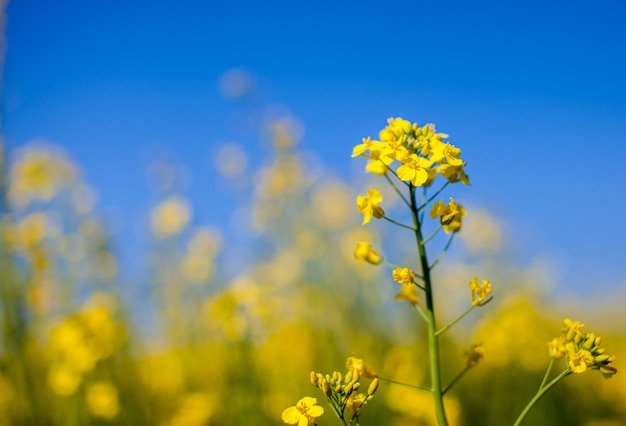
{"x":432,"y":197}
{"x":403,"y":384}
{"x":444,"y":251}
{"x":539,"y":394}
{"x":456,"y":379}
{"x":421,"y":311}
{"x":399,"y":224}
{"x":395,"y":187}
{"x":430,"y":237}
{"x":433,"y":341}
{"x":459,"y":318}
{"x":545,"y":376}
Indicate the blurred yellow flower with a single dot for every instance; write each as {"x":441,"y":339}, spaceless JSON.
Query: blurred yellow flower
{"x":102,"y":400}
{"x":368,"y":205}
{"x":38,"y":174}
{"x":357,"y":365}
{"x":195,"y":409}
{"x":303,"y":413}
{"x":408,"y":292}
{"x":366,"y":252}
{"x":403,"y":275}
{"x":479,"y":292}
{"x":170,"y":217}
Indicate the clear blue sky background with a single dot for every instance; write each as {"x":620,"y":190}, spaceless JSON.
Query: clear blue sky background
{"x":534,"y":92}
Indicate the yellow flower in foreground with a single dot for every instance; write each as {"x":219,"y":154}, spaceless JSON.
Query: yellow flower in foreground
{"x":366,"y":252}
{"x":578,"y":358}
{"x":479,"y":292}
{"x":368,"y":205}
{"x":450,"y":214}
{"x":414,"y":170}
{"x":304,"y":413}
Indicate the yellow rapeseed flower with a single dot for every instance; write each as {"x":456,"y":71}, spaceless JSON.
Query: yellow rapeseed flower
{"x":303,"y":413}
{"x":403,"y":276}
{"x":408,"y":292}
{"x":366,"y":252}
{"x":450,"y":215}
{"x":356,"y":365}
{"x":368,"y":205}
{"x":415,"y":170}
{"x":479,"y":292}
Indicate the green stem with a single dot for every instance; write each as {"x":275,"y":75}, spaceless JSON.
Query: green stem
{"x":459,"y":318}
{"x":433,"y":341}
{"x":430,"y":237}
{"x":539,"y":394}
{"x":421,"y":311}
{"x":393,"y":185}
{"x":399,"y":224}
{"x":432,"y":197}
{"x":403,"y":384}
{"x":457,"y":378}
{"x":445,"y":250}
{"x":545,"y":376}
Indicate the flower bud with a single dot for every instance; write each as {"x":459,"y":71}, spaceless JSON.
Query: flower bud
{"x":373,"y":386}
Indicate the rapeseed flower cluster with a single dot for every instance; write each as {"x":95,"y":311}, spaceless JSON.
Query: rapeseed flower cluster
{"x":342,"y":393}
{"x":421,"y":152}
{"x":581,"y":350}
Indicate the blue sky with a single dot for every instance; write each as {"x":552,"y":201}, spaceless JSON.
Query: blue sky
{"x":533,"y":92}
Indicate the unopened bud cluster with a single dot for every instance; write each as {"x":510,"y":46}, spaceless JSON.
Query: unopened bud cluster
{"x":342,"y":391}
{"x":582,"y":350}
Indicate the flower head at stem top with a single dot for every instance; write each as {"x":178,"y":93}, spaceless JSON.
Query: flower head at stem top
{"x":368,"y":205}
{"x":303,"y":413}
{"x":479,"y":291}
{"x":582,"y":350}
{"x":450,"y":215}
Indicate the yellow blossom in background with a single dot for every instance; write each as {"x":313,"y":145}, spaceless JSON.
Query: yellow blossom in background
{"x":403,"y":275}
{"x":102,"y":400}
{"x":63,"y":379}
{"x":170,"y":217}
{"x":366,"y":252}
{"x":357,"y":365}
{"x":409,"y":293}
{"x":450,"y":215}
{"x":195,"y":409}
{"x":368,"y":205}
{"x":556,"y":347}
{"x":475,"y":354}
{"x":303,"y":413}
{"x":479,"y":291}
{"x":38,"y":174}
